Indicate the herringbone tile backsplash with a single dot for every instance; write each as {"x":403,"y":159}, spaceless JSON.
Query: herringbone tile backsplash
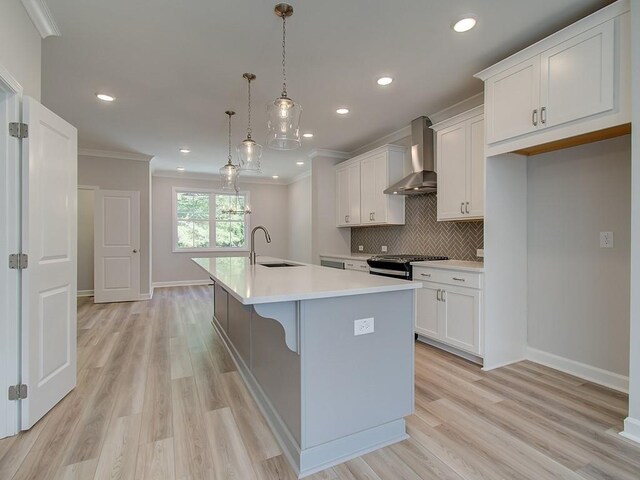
{"x":422,"y":234}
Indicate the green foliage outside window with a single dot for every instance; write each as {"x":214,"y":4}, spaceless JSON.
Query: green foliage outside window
{"x":193,"y":220}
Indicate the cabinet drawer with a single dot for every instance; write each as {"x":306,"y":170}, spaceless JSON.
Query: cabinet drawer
{"x":356,"y":265}
{"x":448,"y":277}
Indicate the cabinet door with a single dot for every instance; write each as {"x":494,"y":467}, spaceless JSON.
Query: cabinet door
{"x":221,"y":312}
{"x":577,"y":77}
{"x":475,"y":167}
{"x":461,"y":318}
{"x":427,"y":306}
{"x":342,"y":197}
{"x":354,"y":194}
{"x":512,"y":97}
{"x":381,"y":182}
{"x":367,"y":190}
{"x":451,"y":154}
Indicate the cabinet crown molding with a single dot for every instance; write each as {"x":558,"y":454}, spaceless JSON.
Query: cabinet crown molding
{"x":384,"y":148}
{"x":603,"y":15}
{"x":138,"y":157}
{"x":474,"y":112}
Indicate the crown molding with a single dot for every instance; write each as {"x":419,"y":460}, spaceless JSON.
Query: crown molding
{"x":386,"y":140}
{"x":9,"y":81}
{"x":300,"y":176}
{"x":138,"y":157}
{"x":41,"y":18}
{"x":322,"y":152}
{"x":216,"y":178}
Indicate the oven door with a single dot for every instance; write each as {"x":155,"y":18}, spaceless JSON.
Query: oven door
{"x":386,"y":272}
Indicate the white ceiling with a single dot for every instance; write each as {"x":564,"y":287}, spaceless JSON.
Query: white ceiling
{"x":175,"y":67}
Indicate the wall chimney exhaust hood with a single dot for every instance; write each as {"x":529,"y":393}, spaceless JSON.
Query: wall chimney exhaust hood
{"x":423,"y":178}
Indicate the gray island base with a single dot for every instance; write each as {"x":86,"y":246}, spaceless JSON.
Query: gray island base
{"x":328,"y":394}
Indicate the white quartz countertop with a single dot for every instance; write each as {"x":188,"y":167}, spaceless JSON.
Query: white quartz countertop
{"x":253,"y":284}
{"x":347,"y":256}
{"x":464,"y":265}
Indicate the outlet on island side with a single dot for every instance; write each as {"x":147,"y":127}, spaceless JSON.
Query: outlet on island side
{"x":363,"y":326}
{"x":606,"y":239}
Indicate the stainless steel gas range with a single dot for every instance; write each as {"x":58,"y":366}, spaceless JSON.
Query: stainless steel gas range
{"x":398,"y":266}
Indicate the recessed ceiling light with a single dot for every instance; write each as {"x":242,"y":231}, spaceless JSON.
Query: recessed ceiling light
{"x":185,"y":150}
{"x":275,"y":177}
{"x":384,"y":81}
{"x":299,"y":163}
{"x":464,"y":24}
{"x":342,"y":111}
{"x":180,"y":169}
{"x":307,"y":135}
{"x":105,"y":98}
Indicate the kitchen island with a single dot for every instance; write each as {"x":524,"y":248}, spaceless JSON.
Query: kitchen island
{"x":327,"y":354}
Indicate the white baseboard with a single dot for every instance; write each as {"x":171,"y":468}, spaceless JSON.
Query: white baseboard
{"x":147,"y":296}
{"x":581,"y":370}
{"x":85,"y":293}
{"x":180,"y":283}
{"x":631,"y":429}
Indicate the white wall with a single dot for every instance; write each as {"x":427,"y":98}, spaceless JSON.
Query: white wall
{"x":578,"y":293}
{"x":632,"y":423}
{"x":118,"y":174}
{"x":326,"y":237}
{"x":20,"y":47}
{"x":86,"y":199}
{"x":269,"y":205}
{"x":300,"y":235}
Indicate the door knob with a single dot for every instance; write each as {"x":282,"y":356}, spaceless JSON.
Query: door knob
{"x":135,"y":250}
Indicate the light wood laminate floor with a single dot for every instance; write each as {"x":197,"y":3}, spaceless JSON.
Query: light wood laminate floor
{"x":158,"y":397}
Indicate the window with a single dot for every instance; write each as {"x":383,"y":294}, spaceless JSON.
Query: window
{"x":202,"y":220}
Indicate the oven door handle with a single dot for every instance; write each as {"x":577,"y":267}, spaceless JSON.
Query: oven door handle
{"x":393,"y":273}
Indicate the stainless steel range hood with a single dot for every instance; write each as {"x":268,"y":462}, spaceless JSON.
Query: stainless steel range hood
{"x":423,"y":178}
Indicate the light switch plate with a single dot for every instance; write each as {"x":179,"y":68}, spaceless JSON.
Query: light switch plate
{"x":606,"y":239}
{"x":363,"y":326}
{"x":384,"y":248}
{"x":360,"y":248}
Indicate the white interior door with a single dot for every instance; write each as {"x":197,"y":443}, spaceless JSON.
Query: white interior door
{"x":117,"y":246}
{"x":49,"y":211}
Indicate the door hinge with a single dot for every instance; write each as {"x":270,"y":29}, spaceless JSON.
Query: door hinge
{"x":18,"y":261}
{"x":18,"y":392}
{"x":19,"y":130}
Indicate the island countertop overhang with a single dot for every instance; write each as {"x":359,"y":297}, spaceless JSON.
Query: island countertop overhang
{"x":256,"y":284}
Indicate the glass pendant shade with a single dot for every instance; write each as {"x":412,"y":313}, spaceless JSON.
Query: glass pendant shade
{"x":229,"y":177}
{"x":283,"y":124}
{"x":249,"y":153}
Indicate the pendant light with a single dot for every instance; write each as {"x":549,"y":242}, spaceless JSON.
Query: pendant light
{"x":249,"y":151}
{"x":229,"y":173}
{"x":237,"y":210}
{"x":284,"y":113}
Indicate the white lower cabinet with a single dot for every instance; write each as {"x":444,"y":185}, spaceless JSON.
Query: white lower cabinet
{"x":448,"y":312}
{"x":357,"y":265}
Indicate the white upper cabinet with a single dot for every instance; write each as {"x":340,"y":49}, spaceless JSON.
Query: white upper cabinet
{"x":577,"y":77}
{"x":460,"y":160}
{"x":575,"y":82}
{"x":348,"y":195}
{"x":360,"y":185}
{"x":512,"y":99}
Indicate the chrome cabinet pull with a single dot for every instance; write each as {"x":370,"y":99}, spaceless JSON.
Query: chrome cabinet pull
{"x":443,"y":296}
{"x":543,"y":115}
{"x":428,"y":275}
{"x":458,"y":279}
{"x":438,"y":294}
{"x":467,"y":207}
{"x":462,"y":208}
{"x":534,"y":117}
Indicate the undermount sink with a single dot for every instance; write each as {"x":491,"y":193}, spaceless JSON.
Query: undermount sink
{"x":279,"y":265}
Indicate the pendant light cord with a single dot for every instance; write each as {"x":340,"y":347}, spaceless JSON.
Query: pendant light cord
{"x":229,"y":156}
{"x":284,"y":56}
{"x":249,"y":123}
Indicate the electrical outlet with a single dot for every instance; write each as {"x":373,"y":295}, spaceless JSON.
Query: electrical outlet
{"x":606,"y":239}
{"x":360,"y":248}
{"x":384,"y":248}
{"x":363,"y":326}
